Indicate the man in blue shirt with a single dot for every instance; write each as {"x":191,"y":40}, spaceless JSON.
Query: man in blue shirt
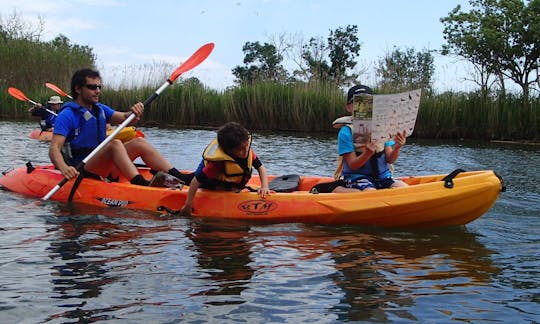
{"x":81,"y":125}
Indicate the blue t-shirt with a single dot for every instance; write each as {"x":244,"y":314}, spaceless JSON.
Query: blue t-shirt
{"x":346,"y":145}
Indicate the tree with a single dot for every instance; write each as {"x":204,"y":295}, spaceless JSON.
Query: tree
{"x":340,"y":49}
{"x":314,"y":57}
{"x":15,"y":27}
{"x":502,"y":36}
{"x":344,"y":48}
{"x":262,"y":63}
{"x":406,"y":69}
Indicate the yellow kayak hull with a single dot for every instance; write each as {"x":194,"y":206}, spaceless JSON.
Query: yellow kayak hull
{"x":426,"y":202}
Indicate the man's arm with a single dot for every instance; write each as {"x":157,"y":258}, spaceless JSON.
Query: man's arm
{"x":119,"y":117}
{"x":55,"y":154}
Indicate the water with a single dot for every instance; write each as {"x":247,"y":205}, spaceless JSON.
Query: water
{"x":71,"y":263}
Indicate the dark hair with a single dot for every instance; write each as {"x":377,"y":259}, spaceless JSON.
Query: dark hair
{"x":79,"y":79}
{"x":356,"y":90}
{"x":231,"y":135}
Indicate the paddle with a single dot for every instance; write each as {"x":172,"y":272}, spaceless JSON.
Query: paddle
{"x":57,"y":89}
{"x":18,"y":94}
{"x":195,"y":59}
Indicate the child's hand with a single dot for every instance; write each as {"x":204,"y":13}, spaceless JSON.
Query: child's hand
{"x":371,"y":147}
{"x":400,"y":138}
{"x":263,"y":192}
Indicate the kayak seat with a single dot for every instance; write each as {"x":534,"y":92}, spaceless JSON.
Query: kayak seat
{"x":285,"y":183}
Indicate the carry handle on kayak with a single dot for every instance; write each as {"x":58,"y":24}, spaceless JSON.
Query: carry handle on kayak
{"x":195,"y":59}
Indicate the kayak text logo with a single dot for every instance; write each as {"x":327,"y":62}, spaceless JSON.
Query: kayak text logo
{"x":257,"y":206}
{"x":113,"y":202}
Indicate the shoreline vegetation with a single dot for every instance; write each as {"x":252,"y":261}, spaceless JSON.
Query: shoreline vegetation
{"x":27,"y":63}
{"x":308,"y":108}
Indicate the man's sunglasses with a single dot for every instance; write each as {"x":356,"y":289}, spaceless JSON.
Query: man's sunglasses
{"x":93,"y":86}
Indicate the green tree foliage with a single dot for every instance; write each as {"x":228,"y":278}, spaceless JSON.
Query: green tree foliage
{"x":406,"y":69}
{"x":262,"y":63}
{"x":333,"y":60}
{"x":501,"y":35}
{"x":27,"y":62}
{"x":314,"y":57}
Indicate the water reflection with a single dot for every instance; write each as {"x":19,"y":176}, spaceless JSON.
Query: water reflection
{"x":90,"y":251}
{"x":353,"y":273}
{"x":223,"y":254}
{"x":382,"y":273}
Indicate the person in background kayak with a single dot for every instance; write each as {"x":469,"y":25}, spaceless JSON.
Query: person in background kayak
{"x":47,"y":113}
{"x":227,"y":164}
{"x":81,"y":127}
{"x":366,"y":169}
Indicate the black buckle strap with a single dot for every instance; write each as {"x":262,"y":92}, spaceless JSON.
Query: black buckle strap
{"x":29,"y":167}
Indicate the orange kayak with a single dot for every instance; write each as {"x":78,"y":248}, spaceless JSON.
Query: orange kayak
{"x":40,"y":135}
{"x":427,"y":202}
{"x":126,"y":134}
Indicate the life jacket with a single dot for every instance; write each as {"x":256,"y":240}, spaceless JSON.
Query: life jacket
{"x":234,"y":172}
{"x":376,"y":163}
{"x":88,"y":135}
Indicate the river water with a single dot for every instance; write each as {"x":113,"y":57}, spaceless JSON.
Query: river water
{"x":71,"y":263}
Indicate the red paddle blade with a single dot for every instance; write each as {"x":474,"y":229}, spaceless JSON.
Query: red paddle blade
{"x":56,"y":89}
{"x":197,"y":58}
{"x":18,"y":94}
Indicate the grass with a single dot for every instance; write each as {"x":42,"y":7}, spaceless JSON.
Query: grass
{"x":308,"y":108}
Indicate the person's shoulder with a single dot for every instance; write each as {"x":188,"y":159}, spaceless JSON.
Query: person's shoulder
{"x":104,"y":106}
{"x":345,"y":131}
{"x":68,"y":110}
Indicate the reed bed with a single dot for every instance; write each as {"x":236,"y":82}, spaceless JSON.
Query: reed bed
{"x":28,"y":64}
{"x":309,"y":108}
{"x":271,"y":106}
{"x":469,"y":115}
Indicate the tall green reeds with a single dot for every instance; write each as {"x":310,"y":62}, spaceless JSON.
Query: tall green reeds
{"x":272,"y":106}
{"x":302,"y":107}
{"x":470,"y":115}
{"x":27,"y":64}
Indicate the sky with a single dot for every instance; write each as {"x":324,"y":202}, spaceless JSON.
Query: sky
{"x":133,"y":36}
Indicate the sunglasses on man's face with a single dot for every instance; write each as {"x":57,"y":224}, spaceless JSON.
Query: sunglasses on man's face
{"x":93,"y":86}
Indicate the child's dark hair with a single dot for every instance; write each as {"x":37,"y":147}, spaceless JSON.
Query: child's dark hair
{"x":231,"y":135}
{"x":79,"y":79}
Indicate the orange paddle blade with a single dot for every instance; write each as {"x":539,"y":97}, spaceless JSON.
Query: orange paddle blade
{"x":56,"y":89}
{"x":195,"y":59}
{"x":18,"y":94}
